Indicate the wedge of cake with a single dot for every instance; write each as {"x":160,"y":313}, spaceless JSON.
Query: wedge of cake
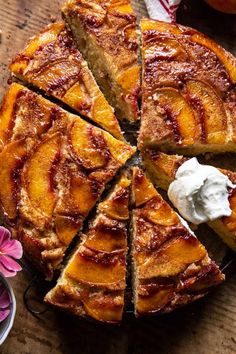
{"x":51,"y":62}
{"x":188,"y":91}
{"x":171,"y":267}
{"x":93,"y":282}
{"x":54,"y":166}
{"x":105,"y":32}
{"x":162,"y":169}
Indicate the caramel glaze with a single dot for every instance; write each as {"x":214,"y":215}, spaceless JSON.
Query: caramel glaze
{"x":102,"y":258}
{"x":36,"y":120}
{"x":50,"y":54}
{"x":15,"y":179}
{"x":197,"y":104}
{"x":152,"y":240}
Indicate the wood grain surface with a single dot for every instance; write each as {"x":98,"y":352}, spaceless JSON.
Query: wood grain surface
{"x":206,"y":327}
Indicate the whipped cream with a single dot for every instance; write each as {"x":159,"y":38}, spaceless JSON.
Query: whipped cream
{"x":200,"y":192}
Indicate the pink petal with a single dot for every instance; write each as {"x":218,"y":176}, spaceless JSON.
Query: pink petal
{"x":4,"y":314}
{"x":10,"y":263}
{"x":8,"y":266}
{"x":7,"y":273}
{"x":4,"y":299}
{"x":4,"y":236}
{"x":12,"y":248}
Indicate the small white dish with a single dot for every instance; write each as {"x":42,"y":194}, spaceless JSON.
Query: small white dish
{"x":7,"y":324}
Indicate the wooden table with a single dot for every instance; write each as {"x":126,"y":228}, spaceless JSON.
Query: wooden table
{"x":206,"y":327}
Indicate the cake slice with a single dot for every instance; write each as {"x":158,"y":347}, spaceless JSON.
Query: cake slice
{"x":105,"y":32}
{"x":188,"y":91}
{"x":162,"y":169}
{"x":93,"y":282}
{"x":51,"y":62}
{"x":171,"y":268}
{"x":54,"y":167}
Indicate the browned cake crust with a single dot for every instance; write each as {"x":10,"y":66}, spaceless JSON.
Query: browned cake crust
{"x":188,"y":91}
{"x":51,"y":62}
{"x":105,"y":32}
{"x":171,"y":267}
{"x":93,"y":282}
{"x":53,"y":166}
{"x":162,"y":169}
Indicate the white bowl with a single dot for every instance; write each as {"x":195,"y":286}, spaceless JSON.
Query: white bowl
{"x":7,"y":324}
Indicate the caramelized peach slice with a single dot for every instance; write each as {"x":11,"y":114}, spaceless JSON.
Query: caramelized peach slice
{"x":79,"y":193}
{"x":83,"y":193}
{"x":105,"y":308}
{"x":20,"y":62}
{"x":118,"y":6}
{"x":117,"y":206}
{"x":66,"y":228}
{"x":179,"y":114}
{"x":106,"y":236}
{"x":97,"y":268}
{"x":51,"y":78}
{"x":161,"y":213}
{"x":89,"y":145}
{"x":210,"y":108}
{"x":49,"y":35}
{"x":11,"y":161}
{"x":166,"y":163}
{"x":39,"y":174}
{"x":164,"y":48}
{"x":127,"y":78}
{"x":142,"y":189}
{"x":153,"y":302}
{"x":77,"y":97}
{"x":226,"y":58}
{"x":148,"y":25}
{"x":230,"y":221}
{"x":7,"y":117}
{"x":24,"y":113}
{"x":120,"y":151}
{"x":161,"y":167}
{"x":104,"y":115}
{"x":173,"y":259}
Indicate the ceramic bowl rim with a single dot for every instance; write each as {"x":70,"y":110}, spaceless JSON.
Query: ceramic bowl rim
{"x":8,"y":322}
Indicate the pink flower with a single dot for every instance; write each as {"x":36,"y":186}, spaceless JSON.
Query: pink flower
{"x":9,"y":251}
{"x":5,"y":302}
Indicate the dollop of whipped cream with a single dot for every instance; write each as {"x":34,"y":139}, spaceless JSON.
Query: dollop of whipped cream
{"x":200,"y":192}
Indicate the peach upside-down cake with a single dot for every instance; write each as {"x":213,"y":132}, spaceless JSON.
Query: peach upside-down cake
{"x":61,"y":149}
{"x":93,"y":282}
{"x":188,"y":91}
{"x":171,"y":267}
{"x":51,"y":62}
{"x":162,"y":168}
{"x":105,"y":32}
{"x":53,"y":166}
